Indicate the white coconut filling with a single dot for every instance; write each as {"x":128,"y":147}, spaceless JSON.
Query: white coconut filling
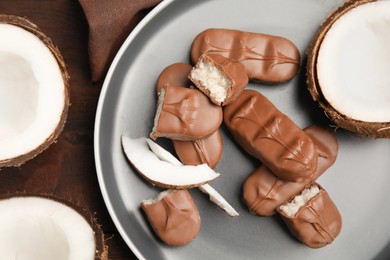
{"x":212,"y":79}
{"x":164,"y":173}
{"x":160,"y":104}
{"x":31,"y":92}
{"x":35,"y":228}
{"x":353,"y":66}
{"x":291,"y":208}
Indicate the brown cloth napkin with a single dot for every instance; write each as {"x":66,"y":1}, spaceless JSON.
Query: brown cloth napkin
{"x":110,"y":22}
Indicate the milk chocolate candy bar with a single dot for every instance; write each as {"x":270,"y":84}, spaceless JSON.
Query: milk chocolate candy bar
{"x":266,"y":58}
{"x":263,"y":192}
{"x":185,"y":114}
{"x":270,"y":136}
{"x":174,"y":217}
{"x":220,"y":78}
{"x":317,"y":222}
{"x":207,"y":150}
{"x":175,"y":75}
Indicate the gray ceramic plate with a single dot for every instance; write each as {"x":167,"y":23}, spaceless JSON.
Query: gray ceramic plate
{"x":359,"y":182}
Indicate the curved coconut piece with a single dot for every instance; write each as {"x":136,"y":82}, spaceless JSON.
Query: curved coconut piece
{"x":28,"y":224}
{"x":214,"y":196}
{"x":340,"y":22}
{"x":161,"y":173}
{"x":34,"y":95}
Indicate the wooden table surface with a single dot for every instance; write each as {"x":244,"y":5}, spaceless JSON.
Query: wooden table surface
{"x":67,"y":168}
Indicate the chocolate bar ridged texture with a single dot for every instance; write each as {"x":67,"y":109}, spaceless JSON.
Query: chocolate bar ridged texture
{"x":317,"y":223}
{"x":175,"y":218}
{"x":186,"y":114}
{"x":233,"y":70}
{"x":263,"y":192}
{"x":270,"y":136}
{"x":175,"y":75}
{"x":267,"y":58}
{"x":207,"y":150}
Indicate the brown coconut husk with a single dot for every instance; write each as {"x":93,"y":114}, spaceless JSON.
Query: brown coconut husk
{"x":369,"y":129}
{"x":30,"y":27}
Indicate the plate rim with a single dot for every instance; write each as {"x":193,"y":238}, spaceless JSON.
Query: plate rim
{"x":98,"y":118}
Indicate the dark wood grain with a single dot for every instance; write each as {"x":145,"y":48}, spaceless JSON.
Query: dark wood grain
{"x":66,"y":169}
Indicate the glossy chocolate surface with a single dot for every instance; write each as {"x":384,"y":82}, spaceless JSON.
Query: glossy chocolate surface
{"x":233,"y":70}
{"x":175,"y":218}
{"x":266,"y":58}
{"x":263,"y":192}
{"x":186,"y":114}
{"x":175,"y":75}
{"x":317,"y":223}
{"x":207,"y":150}
{"x":270,"y":136}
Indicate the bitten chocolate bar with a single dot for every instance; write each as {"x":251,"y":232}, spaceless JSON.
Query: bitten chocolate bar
{"x":220,"y":78}
{"x":185,"y":114}
{"x":266,"y":58}
{"x":173,"y":216}
{"x":263,"y":192}
{"x":312,"y":217}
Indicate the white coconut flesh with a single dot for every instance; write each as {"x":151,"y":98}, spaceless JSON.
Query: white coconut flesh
{"x":353,"y":66}
{"x":32,"y":92}
{"x":212,"y":79}
{"x":291,"y":208}
{"x":36,"y":228}
{"x":162,"y":173}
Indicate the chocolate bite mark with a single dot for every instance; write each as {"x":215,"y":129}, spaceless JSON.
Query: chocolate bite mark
{"x":317,"y":223}
{"x":291,"y":208}
{"x":219,"y":78}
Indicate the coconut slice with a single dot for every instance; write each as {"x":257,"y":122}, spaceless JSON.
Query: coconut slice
{"x":214,"y":196}
{"x":348,"y":67}
{"x":34,"y":227}
{"x":33,"y":91}
{"x":162,"y":173}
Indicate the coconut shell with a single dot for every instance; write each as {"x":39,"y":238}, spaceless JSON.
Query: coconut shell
{"x":101,"y":249}
{"x":369,"y":129}
{"x":32,"y":28}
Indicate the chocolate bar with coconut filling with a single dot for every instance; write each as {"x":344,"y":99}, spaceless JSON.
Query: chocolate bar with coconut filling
{"x":185,"y":114}
{"x":266,"y":58}
{"x":174,"y":216}
{"x":312,"y":217}
{"x":220,"y":78}
{"x":263,"y":192}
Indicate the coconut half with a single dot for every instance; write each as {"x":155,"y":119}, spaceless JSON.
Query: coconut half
{"x":45,"y":228}
{"x":348,"y":67}
{"x":34,"y":96}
